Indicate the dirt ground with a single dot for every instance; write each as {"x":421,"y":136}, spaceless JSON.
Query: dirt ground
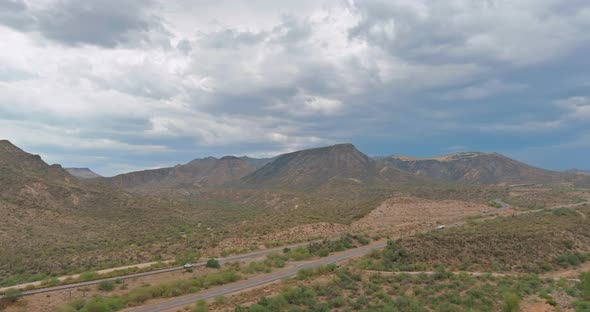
{"x":538,"y":306}
{"x":296,"y":234}
{"x":570,"y":273}
{"x":412,"y":213}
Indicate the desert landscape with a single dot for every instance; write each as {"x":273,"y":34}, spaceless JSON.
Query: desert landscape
{"x":294,"y":155}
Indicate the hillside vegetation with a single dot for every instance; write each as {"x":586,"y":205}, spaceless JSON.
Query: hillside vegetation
{"x":534,"y":242}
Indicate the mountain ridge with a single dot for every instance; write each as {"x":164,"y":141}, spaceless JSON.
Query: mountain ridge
{"x":200,"y":172}
{"x":475,"y":167}
{"x":82,"y":173}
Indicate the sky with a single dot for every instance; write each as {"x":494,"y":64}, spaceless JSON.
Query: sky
{"x":125,"y":85}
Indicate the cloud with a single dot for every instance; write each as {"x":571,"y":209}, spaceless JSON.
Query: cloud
{"x":175,"y":80}
{"x":578,"y":107}
{"x":14,"y":13}
{"x":483,"y":90}
{"x":459,"y":31}
{"x":104,"y":23}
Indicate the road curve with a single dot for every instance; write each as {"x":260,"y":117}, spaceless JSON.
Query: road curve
{"x":251,"y":255}
{"x":256,"y":280}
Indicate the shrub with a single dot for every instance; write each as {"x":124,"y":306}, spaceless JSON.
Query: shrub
{"x":220,"y":299}
{"x":86,"y":276}
{"x":190,"y":257}
{"x":511,"y":302}
{"x":300,"y":296}
{"x":201,"y":306}
{"x":213,"y":263}
{"x":106,"y":286}
{"x":100,"y":304}
{"x":12,"y":295}
{"x":585,"y":286}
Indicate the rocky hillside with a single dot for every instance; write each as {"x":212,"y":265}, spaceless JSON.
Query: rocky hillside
{"x":52,"y":222}
{"x":314,"y":168}
{"x":208,"y":171}
{"x":478,"y":168}
{"x":82,"y":173}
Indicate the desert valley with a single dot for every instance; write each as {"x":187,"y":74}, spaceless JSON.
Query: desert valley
{"x":74,"y":240}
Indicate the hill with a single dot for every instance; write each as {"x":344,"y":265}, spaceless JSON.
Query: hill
{"x":54,"y":223}
{"x":82,"y":173}
{"x":478,"y":168}
{"x":578,"y":171}
{"x":197,"y":173}
{"x":322,"y":167}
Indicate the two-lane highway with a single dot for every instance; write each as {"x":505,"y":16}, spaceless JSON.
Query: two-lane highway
{"x":257,"y":280}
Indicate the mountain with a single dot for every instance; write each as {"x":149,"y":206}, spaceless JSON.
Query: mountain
{"x":257,"y":162}
{"x":53,"y":223}
{"x":578,"y":171}
{"x":474,"y":167}
{"x":314,"y":168}
{"x":82,"y":173}
{"x":208,"y":171}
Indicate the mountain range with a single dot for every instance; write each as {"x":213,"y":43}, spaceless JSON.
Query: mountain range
{"x":53,"y":222}
{"x":474,"y":167}
{"x":313,"y":168}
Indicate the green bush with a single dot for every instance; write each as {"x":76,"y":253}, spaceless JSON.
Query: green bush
{"x":12,"y":295}
{"x":106,"y":286}
{"x":584,"y":286}
{"x":220,"y":299}
{"x":201,"y":306}
{"x":511,"y":302}
{"x":213,"y":263}
{"x":100,"y":304}
{"x":87,"y":276}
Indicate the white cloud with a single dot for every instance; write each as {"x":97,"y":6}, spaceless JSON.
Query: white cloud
{"x":577,"y":107}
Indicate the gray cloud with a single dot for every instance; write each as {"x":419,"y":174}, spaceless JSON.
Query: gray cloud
{"x":268,"y":77}
{"x":472,"y":31}
{"x":230,"y":39}
{"x":105,"y":23}
{"x":14,"y":13}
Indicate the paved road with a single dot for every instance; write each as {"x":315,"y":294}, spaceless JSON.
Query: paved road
{"x":257,"y":280}
{"x":247,"y":256}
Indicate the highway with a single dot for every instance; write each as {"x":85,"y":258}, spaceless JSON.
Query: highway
{"x":247,"y":256}
{"x":257,"y":280}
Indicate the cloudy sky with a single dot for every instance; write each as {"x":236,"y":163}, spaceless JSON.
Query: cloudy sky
{"x":130,"y":84}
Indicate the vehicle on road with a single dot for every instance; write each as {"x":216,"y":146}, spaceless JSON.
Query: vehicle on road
{"x":440,"y":227}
